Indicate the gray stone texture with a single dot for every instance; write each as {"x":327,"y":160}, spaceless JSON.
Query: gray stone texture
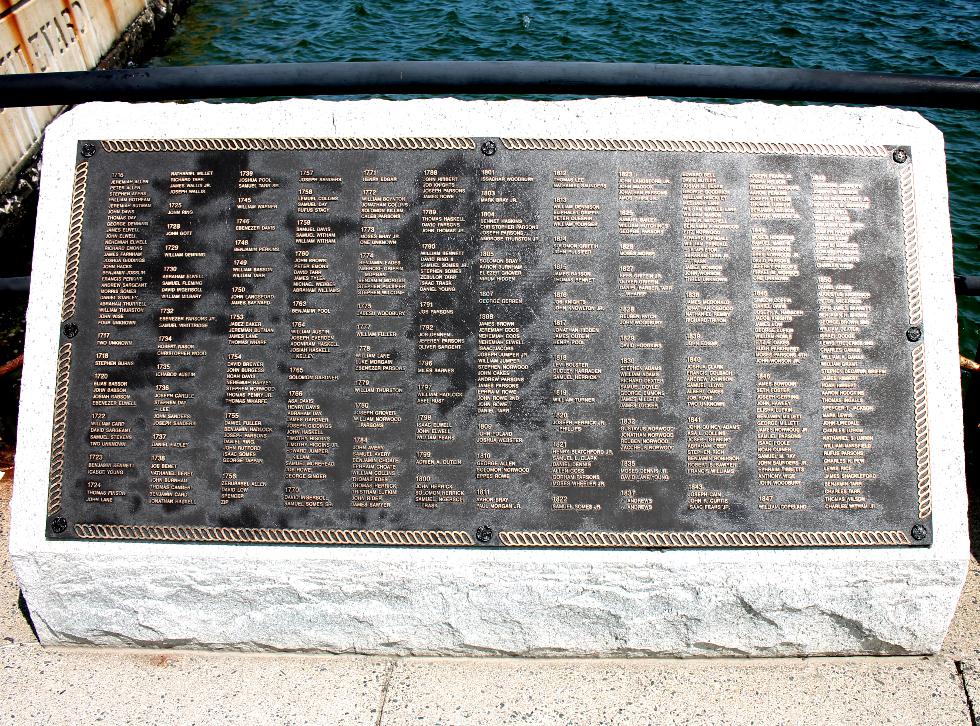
{"x":794,"y":691}
{"x":43,"y":686}
{"x":118,"y":687}
{"x":554,"y":603}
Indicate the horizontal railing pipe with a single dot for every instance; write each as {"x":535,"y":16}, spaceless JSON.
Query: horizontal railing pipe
{"x":488,"y":78}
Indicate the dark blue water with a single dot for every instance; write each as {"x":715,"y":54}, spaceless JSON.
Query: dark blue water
{"x":934,"y":37}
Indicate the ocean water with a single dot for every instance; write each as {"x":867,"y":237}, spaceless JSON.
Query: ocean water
{"x":924,"y":36}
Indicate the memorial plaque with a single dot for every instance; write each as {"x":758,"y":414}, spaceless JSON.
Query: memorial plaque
{"x":491,"y":342}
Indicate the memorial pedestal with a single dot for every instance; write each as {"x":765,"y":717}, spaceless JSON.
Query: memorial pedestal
{"x":232,"y":579}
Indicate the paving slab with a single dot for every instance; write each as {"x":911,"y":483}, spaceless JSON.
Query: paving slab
{"x":97,"y":686}
{"x":963,"y":640}
{"x":788,"y":691}
{"x":13,"y":625}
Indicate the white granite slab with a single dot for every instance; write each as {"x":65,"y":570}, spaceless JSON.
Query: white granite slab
{"x":528,"y":602}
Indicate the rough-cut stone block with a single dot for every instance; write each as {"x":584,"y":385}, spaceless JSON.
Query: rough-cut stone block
{"x":529,"y":602}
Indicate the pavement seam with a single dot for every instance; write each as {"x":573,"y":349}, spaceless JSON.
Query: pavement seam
{"x":966,"y":691}
{"x":389,"y":673}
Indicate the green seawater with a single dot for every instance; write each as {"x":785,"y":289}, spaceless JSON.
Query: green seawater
{"x":925,"y":37}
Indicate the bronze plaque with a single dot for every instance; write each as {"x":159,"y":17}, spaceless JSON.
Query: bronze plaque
{"x":491,"y":342}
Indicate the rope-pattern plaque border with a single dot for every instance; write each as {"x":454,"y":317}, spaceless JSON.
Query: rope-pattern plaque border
{"x":922,"y":457}
{"x":919,"y":390}
{"x":658,"y":540}
{"x":709,"y":147}
{"x":74,"y":240}
{"x":703,"y":539}
{"x":238,"y":535}
{"x":58,"y":430}
{"x":433,"y":538}
{"x":914,"y":284}
{"x":407,"y":143}
{"x":413,"y":143}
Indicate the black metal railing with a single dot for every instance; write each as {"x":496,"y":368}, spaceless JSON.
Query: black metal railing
{"x":489,"y":77}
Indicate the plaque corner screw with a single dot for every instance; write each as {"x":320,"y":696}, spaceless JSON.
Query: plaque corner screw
{"x":488,"y":148}
{"x":919,"y":533}
{"x":70,"y":330}
{"x":914,"y":334}
{"x":59,"y":525}
{"x":484,"y":534}
{"x":88,"y":150}
{"x":900,"y":156}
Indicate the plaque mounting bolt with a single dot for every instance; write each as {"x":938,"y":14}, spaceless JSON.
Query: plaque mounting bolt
{"x":488,"y":148}
{"x":914,"y":334}
{"x":484,"y":534}
{"x":919,"y":533}
{"x":900,"y":156}
{"x":70,"y":330}
{"x":88,"y":150}
{"x":59,"y":525}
